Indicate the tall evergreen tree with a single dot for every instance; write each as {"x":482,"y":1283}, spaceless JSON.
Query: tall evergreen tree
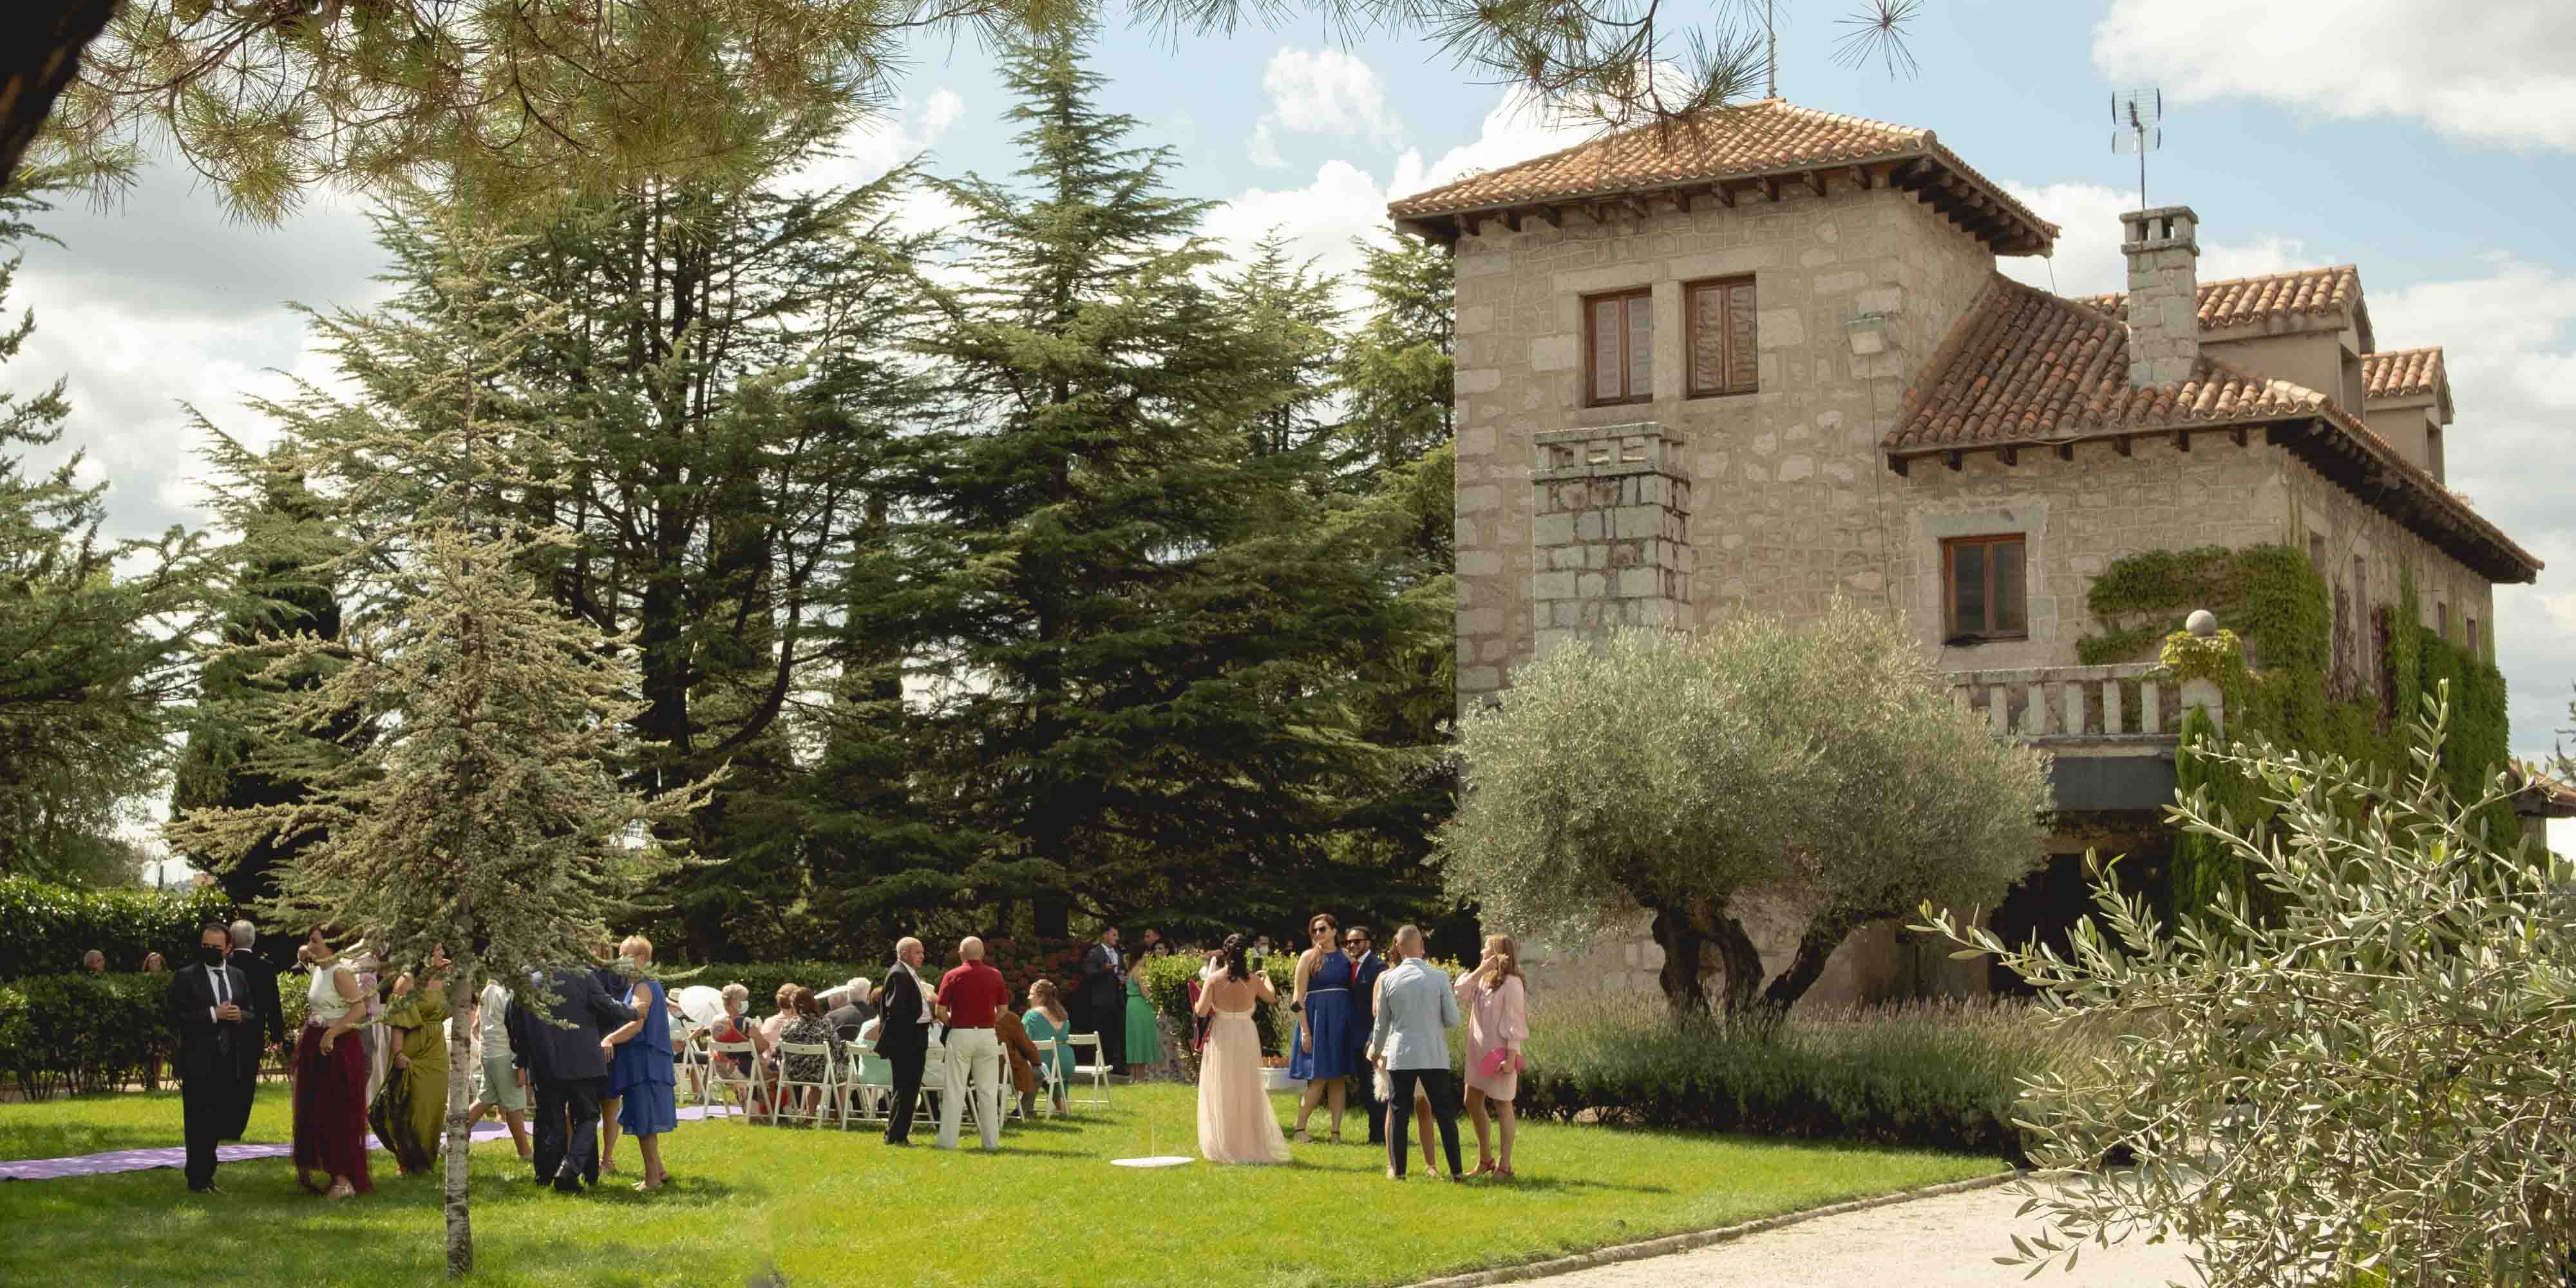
{"x":704,"y":425}
{"x":90,"y":656}
{"x":1398,"y":373}
{"x":1130,"y":630}
{"x":280,"y":588}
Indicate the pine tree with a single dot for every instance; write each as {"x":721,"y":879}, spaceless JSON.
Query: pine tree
{"x":278,"y":591}
{"x":90,"y":656}
{"x":1399,"y":371}
{"x":482,"y":817}
{"x":1131,"y":628}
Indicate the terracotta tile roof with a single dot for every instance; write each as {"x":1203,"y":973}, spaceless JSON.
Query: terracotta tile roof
{"x":2026,"y":366}
{"x":2240,"y":300}
{"x":2402,"y":374}
{"x":1767,"y":137}
{"x":2023,"y":366}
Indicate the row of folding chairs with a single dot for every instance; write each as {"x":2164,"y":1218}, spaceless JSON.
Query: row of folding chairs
{"x":861,"y":1086}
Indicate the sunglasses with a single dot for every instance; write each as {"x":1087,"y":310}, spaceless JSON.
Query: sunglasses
{"x":1356,"y":939}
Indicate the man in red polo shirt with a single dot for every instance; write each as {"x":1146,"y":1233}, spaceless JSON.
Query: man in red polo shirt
{"x":968,"y":997}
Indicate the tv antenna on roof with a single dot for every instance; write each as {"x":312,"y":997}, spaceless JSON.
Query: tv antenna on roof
{"x":2138,"y":115}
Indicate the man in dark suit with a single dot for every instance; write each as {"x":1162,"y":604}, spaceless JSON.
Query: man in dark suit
{"x":903,"y":1035}
{"x":208,"y":1009}
{"x":557,"y":1043}
{"x":259,"y":985}
{"x":1366,"y":966}
{"x":1104,"y":999}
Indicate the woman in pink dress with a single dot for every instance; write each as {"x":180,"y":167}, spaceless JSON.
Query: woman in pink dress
{"x":1236,"y":1122}
{"x":1492,"y":999}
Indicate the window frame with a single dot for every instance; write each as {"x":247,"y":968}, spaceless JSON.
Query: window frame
{"x":1592,"y":352}
{"x":1690,"y":338}
{"x":1950,"y":546}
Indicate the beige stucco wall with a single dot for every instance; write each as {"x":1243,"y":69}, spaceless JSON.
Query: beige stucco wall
{"x":1786,"y":484}
{"x":2406,"y":425}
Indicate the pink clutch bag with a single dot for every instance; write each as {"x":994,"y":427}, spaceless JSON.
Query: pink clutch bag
{"x":1498,"y":1060}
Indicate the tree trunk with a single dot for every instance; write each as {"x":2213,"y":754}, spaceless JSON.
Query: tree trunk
{"x":460,"y":1095}
{"x":1743,"y":964}
{"x":1681,"y":942}
{"x":1815,"y":947}
{"x":40,"y":50}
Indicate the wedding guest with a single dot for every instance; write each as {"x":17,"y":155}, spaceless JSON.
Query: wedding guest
{"x":854,"y":1012}
{"x":556,"y":1022}
{"x":1144,"y":1037}
{"x":1366,"y":967}
{"x":1103,"y":998}
{"x":735,"y":1025}
{"x":1497,"y":1024}
{"x":1322,"y":1051}
{"x":1236,"y":1122}
{"x":809,"y":1028}
{"x":152,"y":1058}
{"x":152,"y":964}
{"x":410,"y":1111}
{"x":1046,"y":1021}
{"x":1415,"y":1011}
{"x":970,"y":996}
{"x":504,"y":1085}
{"x":1388,"y":1119}
{"x":206,"y":1008}
{"x":94,"y":962}
{"x":903,"y":1035}
{"x":331,"y":1077}
{"x":1023,"y":1055}
{"x":640,"y":1066}
{"x":265,"y":998}
{"x":1260,"y":949}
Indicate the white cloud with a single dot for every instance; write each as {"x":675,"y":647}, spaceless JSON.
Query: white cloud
{"x":1328,"y":92}
{"x":2499,"y":71}
{"x":879,"y":142}
{"x":942,"y":110}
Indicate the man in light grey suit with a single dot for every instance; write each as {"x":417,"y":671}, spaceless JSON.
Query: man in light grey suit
{"x":1410,"y":1040}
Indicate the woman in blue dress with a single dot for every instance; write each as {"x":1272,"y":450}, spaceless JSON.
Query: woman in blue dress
{"x":640,"y":1069}
{"x":1321,"y":1051}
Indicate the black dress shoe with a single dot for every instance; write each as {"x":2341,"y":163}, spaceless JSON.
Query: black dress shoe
{"x":904,"y":1143}
{"x":567,"y":1187}
{"x":207,"y":1188}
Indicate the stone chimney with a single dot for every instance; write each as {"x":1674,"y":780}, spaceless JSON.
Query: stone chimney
{"x":2164,"y":293}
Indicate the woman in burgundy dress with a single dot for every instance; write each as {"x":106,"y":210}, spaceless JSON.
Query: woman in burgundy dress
{"x":331,"y":1078}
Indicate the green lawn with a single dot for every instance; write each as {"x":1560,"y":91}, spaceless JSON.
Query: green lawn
{"x":824,"y":1207}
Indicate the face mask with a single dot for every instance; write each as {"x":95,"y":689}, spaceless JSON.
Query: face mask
{"x":210,"y":955}
{"x":630,"y":968}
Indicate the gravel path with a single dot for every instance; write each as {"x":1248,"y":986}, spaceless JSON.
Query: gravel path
{"x":1949,"y":1241}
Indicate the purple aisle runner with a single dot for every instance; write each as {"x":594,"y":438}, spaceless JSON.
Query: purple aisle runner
{"x":139,"y":1160}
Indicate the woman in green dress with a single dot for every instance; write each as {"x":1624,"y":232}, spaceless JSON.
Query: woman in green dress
{"x":412,"y":1107}
{"x":1047,"y":1021}
{"x":1145,"y":1053}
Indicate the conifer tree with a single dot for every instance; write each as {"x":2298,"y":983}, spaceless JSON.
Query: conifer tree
{"x":1133,"y":629}
{"x":482,"y":815}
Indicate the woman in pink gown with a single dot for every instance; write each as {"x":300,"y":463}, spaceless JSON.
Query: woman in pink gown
{"x":1236,"y":1122}
{"x":1492,"y":999}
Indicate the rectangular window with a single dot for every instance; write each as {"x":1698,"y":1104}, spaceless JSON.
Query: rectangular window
{"x":1983,"y":585}
{"x":1618,"y":347}
{"x":2364,"y":676}
{"x":1725,"y":355}
{"x":2442,"y":619}
{"x":2473,"y":639}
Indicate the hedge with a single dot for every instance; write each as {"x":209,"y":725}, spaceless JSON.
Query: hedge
{"x":50,"y":927}
{"x":1936,"y":1075}
{"x":77,"y":1033}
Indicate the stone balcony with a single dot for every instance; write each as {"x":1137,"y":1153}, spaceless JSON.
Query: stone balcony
{"x":2110,"y":730}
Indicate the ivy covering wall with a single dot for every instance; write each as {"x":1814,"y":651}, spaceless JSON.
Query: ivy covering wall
{"x":2279,"y":685}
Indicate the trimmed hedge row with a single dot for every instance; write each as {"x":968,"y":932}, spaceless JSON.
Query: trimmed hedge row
{"x":69,"y":1034}
{"x":51,"y":926}
{"x":1934,"y":1076}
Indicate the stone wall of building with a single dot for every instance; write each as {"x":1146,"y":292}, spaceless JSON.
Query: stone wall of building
{"x":1853,"y":291}
{"x":2348,"y":528}
{"x":1879,"y":963}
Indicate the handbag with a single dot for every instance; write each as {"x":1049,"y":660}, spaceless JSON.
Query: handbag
{"x":1498,"y":1060}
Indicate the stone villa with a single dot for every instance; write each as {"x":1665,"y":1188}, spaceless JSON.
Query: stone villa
{"x":1752,"y":362}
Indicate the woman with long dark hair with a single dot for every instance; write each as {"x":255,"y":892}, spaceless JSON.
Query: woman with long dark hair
{"x":1236,"y":1122}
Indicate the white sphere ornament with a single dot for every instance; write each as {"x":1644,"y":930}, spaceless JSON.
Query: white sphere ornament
{"x":2202,"y":623}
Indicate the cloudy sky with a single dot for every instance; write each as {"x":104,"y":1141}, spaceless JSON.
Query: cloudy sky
{"x":2432,"y":142}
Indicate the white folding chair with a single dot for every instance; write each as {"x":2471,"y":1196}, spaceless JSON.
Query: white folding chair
{"x":1095,"y":1072}
{"x":788,"y":1103}
{"x":868,"y":1084}
{"x":724,"y":1074}
{"x":934,"y":1081}
{"x":1050,"y":1078}
{"x":690,"y":1042}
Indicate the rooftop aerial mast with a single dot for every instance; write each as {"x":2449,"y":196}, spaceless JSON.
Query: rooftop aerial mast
{"x":2138,"y":116}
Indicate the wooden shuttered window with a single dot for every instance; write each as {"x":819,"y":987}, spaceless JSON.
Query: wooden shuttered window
{"x":1725,"y":353}
{"x":1618,"y":347}
{"x":1984,"y":587}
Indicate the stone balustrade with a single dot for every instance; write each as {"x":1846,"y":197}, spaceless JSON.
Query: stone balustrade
{"x":2114,"y":703}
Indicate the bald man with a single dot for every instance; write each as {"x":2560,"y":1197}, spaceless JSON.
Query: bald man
{"x":969,"y":996}
{"x":903,"y":1035}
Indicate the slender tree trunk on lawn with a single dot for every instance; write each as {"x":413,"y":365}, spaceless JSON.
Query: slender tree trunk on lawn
{"x":460,"y":1095}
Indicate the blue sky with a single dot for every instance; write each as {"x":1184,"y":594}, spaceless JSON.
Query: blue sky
{"x":2429,"y":141}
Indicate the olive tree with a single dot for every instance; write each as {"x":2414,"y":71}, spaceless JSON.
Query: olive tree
{"x":1689,"y":776}
{"x":2368,"y":1085}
